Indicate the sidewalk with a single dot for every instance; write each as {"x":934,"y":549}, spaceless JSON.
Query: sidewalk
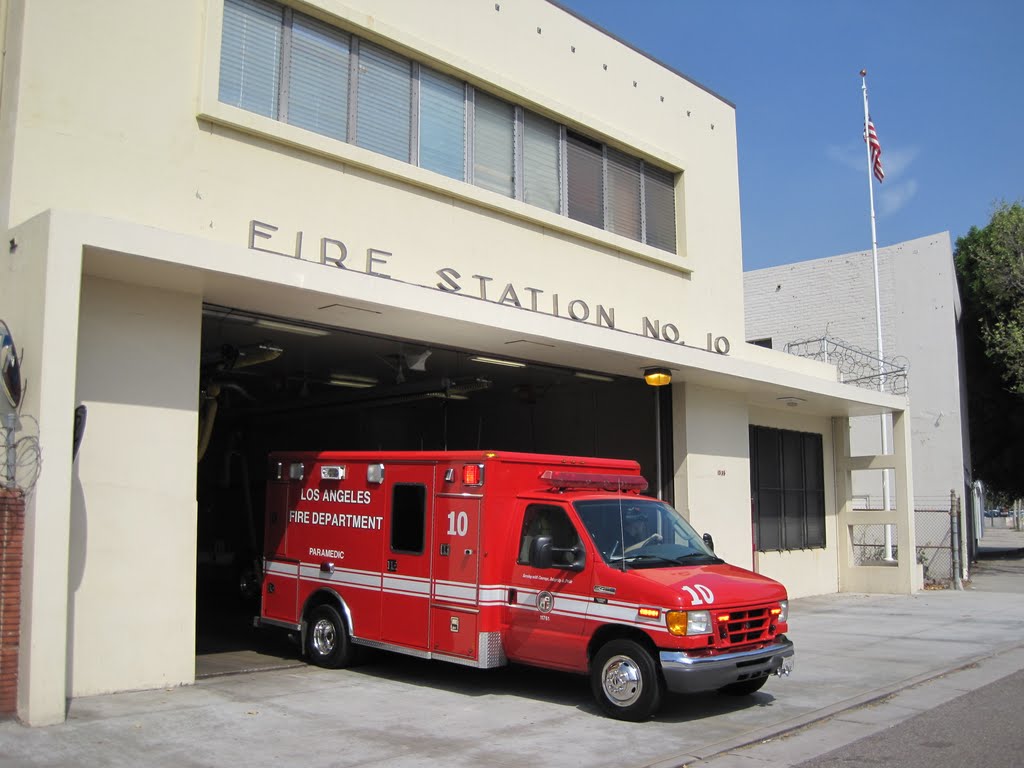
{"x":1000,"y":572}
{"x":1000,"y":541}
{"x":400,"y":711}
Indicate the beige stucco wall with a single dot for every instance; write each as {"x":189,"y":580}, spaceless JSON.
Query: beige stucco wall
{"x":806,"y":571}
{"x":714,"y":487}
{"x":92,"y":118}
{"x":133,"y":517}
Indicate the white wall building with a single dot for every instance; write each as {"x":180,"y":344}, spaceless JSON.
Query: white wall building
{"x":920,"y":311}
{"x":219,"y":216}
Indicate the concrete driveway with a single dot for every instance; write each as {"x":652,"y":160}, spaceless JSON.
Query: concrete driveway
{"x":400,"y":711}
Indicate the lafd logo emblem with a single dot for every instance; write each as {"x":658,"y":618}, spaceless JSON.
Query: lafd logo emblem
{"x":545,"y":602}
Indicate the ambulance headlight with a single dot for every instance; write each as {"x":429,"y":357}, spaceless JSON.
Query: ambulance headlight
{"x":783,"y":611}
{"x":682,"y":623}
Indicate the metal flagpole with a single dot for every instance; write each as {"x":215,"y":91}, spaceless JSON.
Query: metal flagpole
{"x":878,"y":304}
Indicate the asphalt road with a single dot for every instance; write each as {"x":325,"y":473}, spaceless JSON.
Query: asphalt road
{"x":984,"y":728}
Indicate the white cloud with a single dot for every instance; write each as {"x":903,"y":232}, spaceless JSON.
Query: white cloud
{"x":892,"y":197}
{"x":898,"y":189}
{"x":854,"y":157}
{"x":896,"y":161}
{"x":847,"y":156}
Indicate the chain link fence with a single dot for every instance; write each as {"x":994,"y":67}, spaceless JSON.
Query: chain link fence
{"x":933,"y":549}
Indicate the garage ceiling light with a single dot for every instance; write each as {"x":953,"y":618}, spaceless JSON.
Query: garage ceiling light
{"x":592,"y":376}
{"x":351,"y":381}
{"x":496,"y":361}
{"x":791,"y":401}
{"x":277,"y":325}
{"x":447,"y":396}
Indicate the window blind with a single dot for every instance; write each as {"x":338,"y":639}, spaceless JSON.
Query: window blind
{"x":318,"y":78}
{"x":442,"y":124}
{"x":561,"y":171}
{"x":585,"y":179}
{"x":250,"y":55}
{"x":541,"y":167}
{"x":493,"y":134}
{"x":624,"y":194}
{"x":660,"y":208}
{"x":384,"y":102}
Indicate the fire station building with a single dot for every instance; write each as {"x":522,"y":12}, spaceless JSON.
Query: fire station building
{"x":238,"y":226}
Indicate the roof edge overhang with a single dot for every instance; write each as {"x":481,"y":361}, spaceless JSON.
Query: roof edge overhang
{"x":234,"y":275}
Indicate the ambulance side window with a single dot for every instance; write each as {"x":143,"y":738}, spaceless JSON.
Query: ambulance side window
{"x":545,"y":520}
{"x":408,"y":518}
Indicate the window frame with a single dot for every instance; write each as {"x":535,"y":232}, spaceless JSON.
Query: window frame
{"x":394,"y":511}
{"x":798,"y":501}
{"x":280,"y":114}
{"x":526,"y":538}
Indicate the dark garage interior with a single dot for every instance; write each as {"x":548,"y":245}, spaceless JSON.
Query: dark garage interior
{"x":269,"y":383}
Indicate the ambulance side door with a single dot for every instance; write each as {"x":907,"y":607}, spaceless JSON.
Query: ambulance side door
{"x":405,"y":595}
{"x":454,"y":611}
{"x":548,"y":606}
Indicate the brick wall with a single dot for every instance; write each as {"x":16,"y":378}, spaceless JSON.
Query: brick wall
{"x":12,"y":529}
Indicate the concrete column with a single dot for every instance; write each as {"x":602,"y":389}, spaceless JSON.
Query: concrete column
{"x":911,"y":572}
{"x":40,"y":297}
{"x":906,"y":576}
{"x":844,"y":498}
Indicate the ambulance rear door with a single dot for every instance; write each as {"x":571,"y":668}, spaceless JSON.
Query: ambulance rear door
{"x":455,"y":611}
{"x":280,"y":568}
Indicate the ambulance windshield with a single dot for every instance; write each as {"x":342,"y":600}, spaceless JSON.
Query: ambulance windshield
{"x":642,"y":533}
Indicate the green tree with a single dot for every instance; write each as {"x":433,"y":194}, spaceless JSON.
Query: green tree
{"x":990,"y":266}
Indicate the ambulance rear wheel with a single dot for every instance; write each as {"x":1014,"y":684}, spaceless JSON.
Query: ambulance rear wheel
{"x":626,"y":681}
{"x":327,"y":641}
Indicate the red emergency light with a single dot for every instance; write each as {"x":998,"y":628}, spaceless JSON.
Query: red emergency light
{"x":472,"y":474}
{"x":607,"y":482}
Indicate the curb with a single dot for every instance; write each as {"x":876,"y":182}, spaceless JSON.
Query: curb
{"x":785,"y":727}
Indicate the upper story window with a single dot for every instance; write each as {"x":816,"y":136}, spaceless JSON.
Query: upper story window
{"x":290,"y":67}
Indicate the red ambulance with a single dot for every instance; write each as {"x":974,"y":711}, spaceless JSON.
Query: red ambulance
{"x":483,"y":558}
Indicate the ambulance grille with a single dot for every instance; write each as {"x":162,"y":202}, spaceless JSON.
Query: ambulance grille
{"x":746,"y":626}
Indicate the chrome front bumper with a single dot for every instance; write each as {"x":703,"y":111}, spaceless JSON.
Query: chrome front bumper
{"x":690,"y":674}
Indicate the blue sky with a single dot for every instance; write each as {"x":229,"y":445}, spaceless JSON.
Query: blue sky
{"x":946,"y":91}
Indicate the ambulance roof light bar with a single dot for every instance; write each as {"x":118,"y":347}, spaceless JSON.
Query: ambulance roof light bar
{"x":560,"y":480}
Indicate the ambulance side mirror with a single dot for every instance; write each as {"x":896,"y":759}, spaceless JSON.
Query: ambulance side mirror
{"x":542,"y":555}
{"x":709,"y":541}
{"x":540,"y":552}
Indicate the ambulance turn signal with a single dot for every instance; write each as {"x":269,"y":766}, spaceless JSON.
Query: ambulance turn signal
{"x":684,"y":623}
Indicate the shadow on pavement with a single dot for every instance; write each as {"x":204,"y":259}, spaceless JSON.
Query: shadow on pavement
{"x":552,"y":687}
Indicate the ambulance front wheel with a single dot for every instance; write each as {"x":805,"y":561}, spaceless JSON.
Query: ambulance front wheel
{"x":327,"y":641}
{"x":626,"y":681}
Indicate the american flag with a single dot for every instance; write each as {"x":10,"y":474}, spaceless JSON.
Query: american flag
{"x":876,"y":151}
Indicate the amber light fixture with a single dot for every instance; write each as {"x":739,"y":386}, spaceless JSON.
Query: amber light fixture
{"x":658,"y":377}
